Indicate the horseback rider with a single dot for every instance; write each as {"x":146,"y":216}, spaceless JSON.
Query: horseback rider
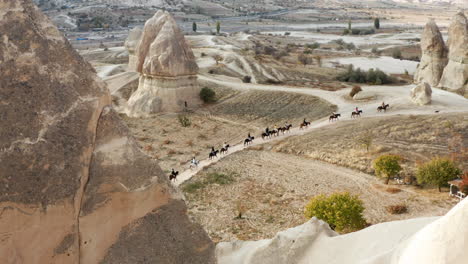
{"x":224,"y":145}
{"x":303,"y":122}
{"x":194,"y":161}
{"x":383,"y":104}
{"x":267,"y":130}
{"x":357,"y":109}
{"x":173,"y":173}
{"x":249,"y":136}
{"x":212,"y":149}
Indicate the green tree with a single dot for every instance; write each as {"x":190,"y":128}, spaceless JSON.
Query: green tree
{"x":349,"y":25}
{"x":218,"y":27}
{"x":342,"y":211}
{"x":387,"y":166}
{"x":377,"y":23}
{"x":194,"y":27}
{"x":207,"y":95}
{"x":437,"y":172}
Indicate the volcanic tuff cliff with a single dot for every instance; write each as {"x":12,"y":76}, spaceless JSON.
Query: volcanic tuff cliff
{"x":168,"y":69}
{"x":132,"y":44}
{"x":74,"y":186}
{"x":434,"y":55}
{"x":455,"y":76}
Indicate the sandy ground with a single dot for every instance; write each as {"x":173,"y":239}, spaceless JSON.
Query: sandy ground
{"x":273,"y":188}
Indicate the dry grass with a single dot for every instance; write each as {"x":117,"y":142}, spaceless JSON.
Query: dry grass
{"x":416,"y":138}
{"x":393,"y":190}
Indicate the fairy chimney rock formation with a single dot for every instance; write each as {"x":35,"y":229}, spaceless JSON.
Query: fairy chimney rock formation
{"x":167,"y":67}
{"x":455,"y":75}
{"x":75,"y":186}
{"x":421,"y":94}
{"x":434,"y":55}
{"x":131,"y":44}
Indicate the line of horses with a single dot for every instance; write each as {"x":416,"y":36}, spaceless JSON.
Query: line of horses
{"x":268,"y":134}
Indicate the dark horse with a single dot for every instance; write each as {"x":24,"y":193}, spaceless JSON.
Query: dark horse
{"x":173,"y":175}
{"x":265,"y":135}
{"x":334,"y":117}
{"x":249,"y":141}
{"x":384,"y":108}
{"x":284,"y":129}
{"x":225,"y":149}
{"x":304,"y":124}
{"x":213,"y":154}
{"x":356,"y":114}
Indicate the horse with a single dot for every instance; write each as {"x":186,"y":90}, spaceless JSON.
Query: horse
{"x":193,"y":165}
{"x":287,"y":128}
{"x":356,"y":114}
{"x":213,"y":154}
{"x":304,"y":124}
{"x":384,"y":108}
{"x":173,"y":175}
{"x":334,"y":117}
{"x":249,"y":141}
{"x":265,"y":135}
{"x":225,"y":149}
{"x":274,"y":132}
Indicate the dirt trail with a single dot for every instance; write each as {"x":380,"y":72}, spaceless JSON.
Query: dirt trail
{"x":396,"y":96}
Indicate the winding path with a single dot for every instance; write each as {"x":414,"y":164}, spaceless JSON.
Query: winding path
{"x":396,"y":96}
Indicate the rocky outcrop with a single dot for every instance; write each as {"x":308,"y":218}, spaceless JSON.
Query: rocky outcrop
{"x":131,"y":44}
{"x":420,"y":240}
{"x":421,"y":94}
{"x":167,"y":67}
{"x":434,"y":55}
{"x":75,"y":187}
{"x":455,"y":75}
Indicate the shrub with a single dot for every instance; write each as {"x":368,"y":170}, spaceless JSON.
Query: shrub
{"x":304,"y":59}
{"x":375,"y":51}
{"x":313,"y":46}
{"x":437,"y":172}
{"x":247,"y":79}
{"x":218,"y":58}
{"x":345,"y":31}
{"x":366,"y":139}
{"x":397,"y":209}
{"x":184,"y":120}
{"x":387,"y":166}
{"x":396,"y":53}
{"x":207,"y":95}
{"x":342,"y":211}
{"x":356,"y":89}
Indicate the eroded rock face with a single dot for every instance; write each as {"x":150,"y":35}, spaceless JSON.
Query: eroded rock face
{"x":434,"y":55}
{"x":421,"y":94}
{"x":455,"y":75}
{"x":74,"y":184}
{"x":167,"y":67}
{"x":131,"y":44}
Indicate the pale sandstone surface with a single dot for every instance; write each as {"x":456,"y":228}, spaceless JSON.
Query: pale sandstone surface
{"x":75,"y":187}
{"x":422,"y":240}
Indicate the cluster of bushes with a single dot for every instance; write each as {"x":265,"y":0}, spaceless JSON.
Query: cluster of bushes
{"x":371,"y":77}
{"x":343,"y":45}
{"x":342,"y":211}
{"x":437,"y":172}
{"x":356,"y":31}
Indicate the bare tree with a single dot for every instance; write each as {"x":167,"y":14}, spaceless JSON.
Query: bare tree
{"x":366,"y":139}
{"x":218,"y":58}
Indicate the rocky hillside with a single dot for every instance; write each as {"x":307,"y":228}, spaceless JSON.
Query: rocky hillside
{"x":75,"y":188}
